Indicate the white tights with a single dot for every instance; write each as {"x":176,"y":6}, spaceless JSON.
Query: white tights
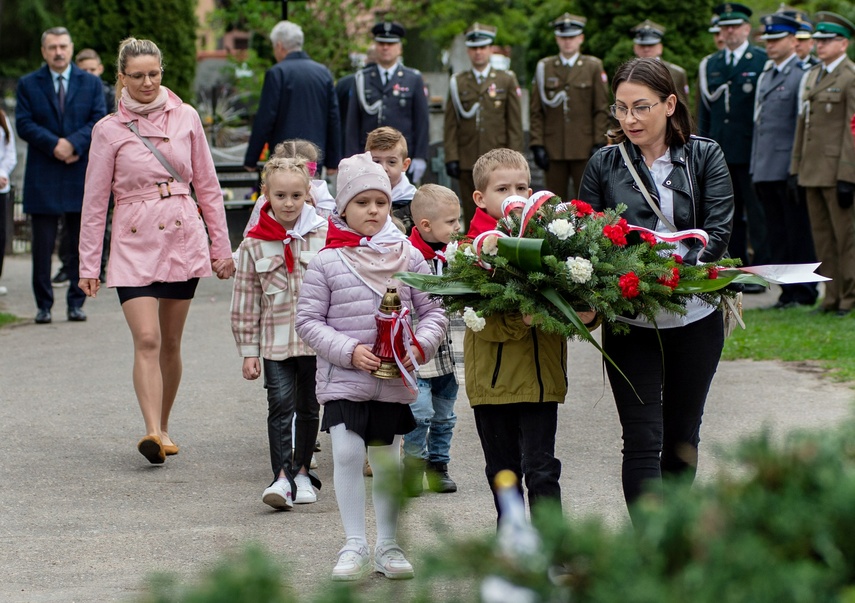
{"x":348,"y":450}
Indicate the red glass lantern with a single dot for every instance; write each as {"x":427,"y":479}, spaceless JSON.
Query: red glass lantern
{"x":390,"y":306}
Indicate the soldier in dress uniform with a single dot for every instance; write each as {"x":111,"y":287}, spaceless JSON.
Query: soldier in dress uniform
{"x":389,"y":94}
{"x":728,"y":82}
{"x":647,"y":43}
{"x":775,"y":112}
{"x":483,"y":112}
{"x":715,"y":30}
{"x":804,"y":36}
{"x":569,"y":109}
{"x":824,"y":158}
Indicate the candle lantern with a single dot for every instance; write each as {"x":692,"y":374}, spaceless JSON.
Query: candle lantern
{"x":389,"y":343}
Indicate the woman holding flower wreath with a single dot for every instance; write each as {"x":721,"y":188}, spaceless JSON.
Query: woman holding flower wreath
{"x":667,"y":364}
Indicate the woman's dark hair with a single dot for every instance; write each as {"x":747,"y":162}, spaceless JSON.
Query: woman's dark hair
{"x":655,"y":75}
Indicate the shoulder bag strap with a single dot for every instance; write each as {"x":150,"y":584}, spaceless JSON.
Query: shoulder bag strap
{"x":628,"y":162}
{"x":158,"y":155}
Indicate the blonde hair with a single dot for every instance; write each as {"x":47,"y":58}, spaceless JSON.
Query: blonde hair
{"x":494,"y":160}
{"x":130,"y":48}
{"x":430,"y":199}
{"x":297,"y":148}
{"x":385,"y":138}
{"x":277,"y":165}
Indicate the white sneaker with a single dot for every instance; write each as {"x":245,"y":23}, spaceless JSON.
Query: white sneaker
{"x":305,"y":491}
{"x":313,"y":464}
{"x":354,"y":562}
{"x":278,"y":495}
{"x":389,"y":560}
{"x":3,"y":290}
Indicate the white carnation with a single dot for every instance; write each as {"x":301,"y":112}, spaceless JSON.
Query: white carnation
{"x":472,"y":320}
{"x":561,"y":228}
{"x":468,"y":252}
{"x":580,"y":269}
{"x":490,"y":246}
{"x":451,"y":252}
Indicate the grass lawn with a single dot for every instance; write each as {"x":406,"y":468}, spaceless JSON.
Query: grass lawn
{"x":797,"y":335}
{"x":7,"y":319}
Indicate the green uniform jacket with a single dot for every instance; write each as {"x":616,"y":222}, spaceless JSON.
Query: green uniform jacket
{"x":681,"y":80}
{"x":510,"y":362}
{"x":571,"y":129}
{"x":823,"y":152}
{"x":496,"y":124}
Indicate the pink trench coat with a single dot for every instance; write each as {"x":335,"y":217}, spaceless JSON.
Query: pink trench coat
{"x":158,"y":234}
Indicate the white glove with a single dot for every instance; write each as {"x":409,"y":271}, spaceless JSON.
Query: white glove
{"x":418,"y":167}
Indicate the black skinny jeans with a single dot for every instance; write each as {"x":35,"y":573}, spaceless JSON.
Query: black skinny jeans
{"x":661,"y":432}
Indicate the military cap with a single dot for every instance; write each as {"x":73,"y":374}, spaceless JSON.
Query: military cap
{"x":731,"y":13}
{"x":714,"y":28}
{"x":569,"y":26}
{"x":388,"y":32}
{"x":830,"y":25}
{"x":801,"y":17}
{"x":647,"y":33}
{"x":778,"y":26}
{"x":480,"y":35}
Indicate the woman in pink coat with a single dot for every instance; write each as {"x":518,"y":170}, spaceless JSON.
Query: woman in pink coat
{"x":159,"y":248}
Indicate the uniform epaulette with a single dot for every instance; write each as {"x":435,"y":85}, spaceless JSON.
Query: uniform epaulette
{"x":851,"y":67}
{"x":676,"y":67}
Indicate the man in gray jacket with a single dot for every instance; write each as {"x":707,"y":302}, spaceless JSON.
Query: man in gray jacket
{"x":775,"y":113}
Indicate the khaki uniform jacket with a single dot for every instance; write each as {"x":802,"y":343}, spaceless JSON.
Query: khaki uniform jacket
{"x":681,"y":80}
{"x":823,"y":153}
{"x":571,"y":129}
{"x":496,"y":124}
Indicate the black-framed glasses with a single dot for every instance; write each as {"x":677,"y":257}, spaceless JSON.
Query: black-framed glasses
{"x":154,"y":76}
{"x":638,"y":111}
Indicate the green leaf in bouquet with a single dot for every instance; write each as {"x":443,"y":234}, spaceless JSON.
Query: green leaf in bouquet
{"x":725,"y":278}
{"x":434,"y":284}
{"x":525,"y":254}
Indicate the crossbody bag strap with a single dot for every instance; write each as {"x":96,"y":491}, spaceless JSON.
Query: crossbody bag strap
{"x":158,"y":155}
{"x":628,"y":162}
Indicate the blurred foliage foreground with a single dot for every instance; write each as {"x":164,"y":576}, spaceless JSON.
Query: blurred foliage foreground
{"x":778,"y":527}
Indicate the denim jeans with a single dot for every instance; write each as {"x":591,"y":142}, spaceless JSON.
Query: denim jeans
{"x":435,"y":420}
{"x":290,"y":386}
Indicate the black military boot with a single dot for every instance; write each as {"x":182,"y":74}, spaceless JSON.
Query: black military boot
{"x":438,"y":478}
{"x":413,"y":476}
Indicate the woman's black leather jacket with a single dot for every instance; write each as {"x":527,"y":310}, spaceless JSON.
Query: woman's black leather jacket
{"x":700,"y":181}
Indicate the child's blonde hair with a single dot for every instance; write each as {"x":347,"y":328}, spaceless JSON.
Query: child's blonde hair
{"x":297,"y":148}
{"x":385,"y":138}
{"x":277,"y":165}
{"x":430,"y":199}
{"x":497,"y":159}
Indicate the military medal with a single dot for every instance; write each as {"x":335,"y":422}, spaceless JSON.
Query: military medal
{"x":491,"y":91}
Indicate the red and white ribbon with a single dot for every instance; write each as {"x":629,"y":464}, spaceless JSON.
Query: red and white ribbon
{"x":533,"y":204}
{"x":409,"y":338}
{"x":478,"y":244}
{"x":674,"y":237}
{"x":513,"y":203}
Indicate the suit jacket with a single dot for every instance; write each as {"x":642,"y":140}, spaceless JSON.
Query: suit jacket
{"x":497,"y":123}
{"x":776,"y":110}
{"x":297,"y":101}
{"x":570,"y":130}
{"x":823,"y":153}
{"x":726,"y":106}
{"x":52,"y":186}
{"x":402,"y":105}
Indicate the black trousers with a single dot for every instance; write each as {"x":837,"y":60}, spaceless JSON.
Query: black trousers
{"x":521,"y":437}
{"x":788,"y":234}
{"x":43,"y":244}
{"x":661,"y":430}
{"x":749,"y":223}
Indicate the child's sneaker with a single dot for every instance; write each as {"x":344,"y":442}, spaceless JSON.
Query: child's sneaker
{"x":354,"y":562}
{"x":278,"y":495}
{"x":389,"y":560}
{"x":305,"y":491}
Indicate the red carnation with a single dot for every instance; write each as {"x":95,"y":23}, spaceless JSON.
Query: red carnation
{"x":673,"y":281}
{"x":647,"y":237}
{"x":628,"y":285}
{"x":615,"y":234}
{"x":713,"y":273}
{"x":677,"y":258}
{"x":582,"y":208}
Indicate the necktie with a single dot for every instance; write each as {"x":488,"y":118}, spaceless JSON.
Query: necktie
{"x":821,"y":73}
{"x":387,"y":75}
{"x":730,"y":59}
{"x":60,"y":94}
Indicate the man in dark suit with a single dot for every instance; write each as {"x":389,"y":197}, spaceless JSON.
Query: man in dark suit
{"x":776,"y":110}
{"x":57,"y":107}
{"x":298,"y":100}
{"x":728,"y":83}
{"x":389,"y":94}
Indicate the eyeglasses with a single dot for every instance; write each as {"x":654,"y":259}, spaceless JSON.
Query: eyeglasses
{"x":154,"y":76}
{"x":638,"y":112}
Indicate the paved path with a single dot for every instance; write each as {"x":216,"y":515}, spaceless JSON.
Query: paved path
{"x":83,"y":517}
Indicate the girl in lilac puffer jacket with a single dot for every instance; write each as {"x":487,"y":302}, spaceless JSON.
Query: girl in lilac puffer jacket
{"x":336,"y":311}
